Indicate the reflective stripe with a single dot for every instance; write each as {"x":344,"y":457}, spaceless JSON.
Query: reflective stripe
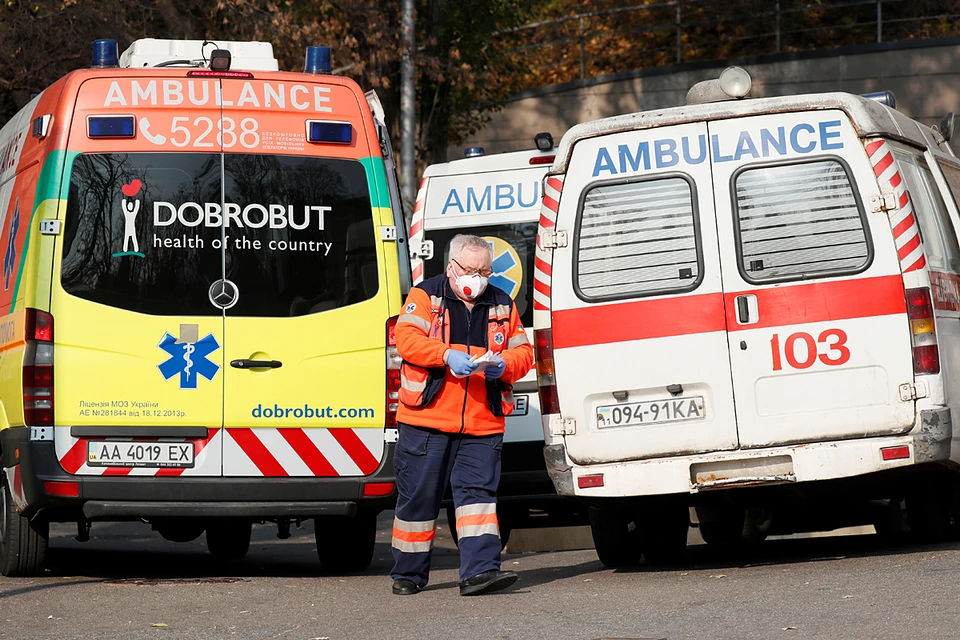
{"x":415,"y":319}
{"x":436,"y":302}
{"x":476,"y":509}
{"x":478,"y":530}
{"x":410,"y":385}
{"x":477,"y":520}
{"x":500,"y":311}
{"x":413,"y":537}
{"x":517,"y":340}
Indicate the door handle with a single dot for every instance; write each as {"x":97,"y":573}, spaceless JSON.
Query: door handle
{"x":743,"y":310}
{"x":255,"y":364}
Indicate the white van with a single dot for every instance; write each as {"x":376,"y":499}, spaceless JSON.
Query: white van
{"x":751,"y":306}
{"x":498,"y":197}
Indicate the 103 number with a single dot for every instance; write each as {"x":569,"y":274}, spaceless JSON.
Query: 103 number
{"x":830,"y":348}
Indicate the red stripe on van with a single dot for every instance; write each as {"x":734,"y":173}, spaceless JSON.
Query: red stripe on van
{"x":921,"y":261}
{"x":640,"y":320}
{"x":76,"y":457}
{"x":873,"y":146}
{"x":543,"y":266}
{"x":882,"y":165}
{"x":308,"y":452}
{"x":908,"y":248}
{"x":904,"y":224}
{"x":822,"y":302}
{"x":550,"y":203}
{"x":197,"y":448}
{"x":542,"y":287}
{"x":257,"y":452}
{"x":355,"y":448}
{"x":555,"y":183}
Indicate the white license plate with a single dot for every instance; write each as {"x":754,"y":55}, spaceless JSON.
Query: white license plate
{"x":654,"y":412}
{"x":520,"y":406}
{"x":102,"y":453}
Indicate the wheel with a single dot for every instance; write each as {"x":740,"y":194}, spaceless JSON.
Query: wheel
{"x":664,"y":533}
{"x":229,"y":538}
{"x":615,"y":536}
{"x":930,"y":511}
{"x":721,"y":524}
{"x":757,"y":525}
{"x":179,"y":529}
{"x":346,"y":544}
{"x":23,"y":542}
{"x":504,"y":525}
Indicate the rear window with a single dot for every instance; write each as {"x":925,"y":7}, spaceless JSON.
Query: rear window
{"x":638,"y":239}
{"x":150,"y":232}
{"x":513,"y":250}
{"x":799,"y":221}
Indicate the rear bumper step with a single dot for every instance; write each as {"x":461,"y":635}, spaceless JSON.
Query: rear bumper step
{"x":101,"y":510}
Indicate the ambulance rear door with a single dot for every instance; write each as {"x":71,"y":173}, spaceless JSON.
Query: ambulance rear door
{"x":640,"y":347}
{"x":815,"y":308}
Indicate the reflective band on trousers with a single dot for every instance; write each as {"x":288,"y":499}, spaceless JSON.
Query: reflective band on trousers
{"x":414,"y":537}
{"x":477,"y":520}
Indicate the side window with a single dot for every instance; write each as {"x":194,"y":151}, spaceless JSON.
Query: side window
{"x":799,"y":221}
{"x":638,"y":238}
{"x":939,"y":237}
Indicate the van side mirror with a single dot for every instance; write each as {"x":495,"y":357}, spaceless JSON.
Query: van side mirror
{"x":946,"y":126}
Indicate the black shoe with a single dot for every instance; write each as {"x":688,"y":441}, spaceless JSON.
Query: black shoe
{"x":405,"y":587}
{"x":488,"y":582}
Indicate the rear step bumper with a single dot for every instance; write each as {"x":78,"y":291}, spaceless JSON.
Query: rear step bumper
{"x":133,"y":497}
{"x":928,"y":441}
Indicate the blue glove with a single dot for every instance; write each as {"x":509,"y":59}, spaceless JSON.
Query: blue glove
{"x":495,"y":370}
{"x":459,"y":363}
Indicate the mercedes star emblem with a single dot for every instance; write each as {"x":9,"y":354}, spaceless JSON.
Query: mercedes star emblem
{"x":224,"y":294}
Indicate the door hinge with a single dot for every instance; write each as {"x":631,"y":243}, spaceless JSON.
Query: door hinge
{"x":562,"y":426}
{"x":553,"y":239}
{"x":49,"y":227}
{"x":388,"y":234}
{"x":41,"y":434}
{"x":913,"y":391}
{"x":424,"y":250}
{"x":886,"y":201}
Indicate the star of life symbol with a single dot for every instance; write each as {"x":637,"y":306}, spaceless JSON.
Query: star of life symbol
{"x":501,"y":265}
{"x":188,"y":359}
{"x":10,"y":257}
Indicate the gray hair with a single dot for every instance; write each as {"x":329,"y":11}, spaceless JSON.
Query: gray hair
{"x":463,"y":241}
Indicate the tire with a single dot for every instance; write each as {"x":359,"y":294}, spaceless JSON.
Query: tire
{"x":23,"y":542}
{"x":345,"y":545}
{"x":616,"y":536}
{"x":505,"y":528}
{"x":930,"y":512}
{"x":228,"y":538}
{"x":179,"y":529}
{"x":721,"y":524}
{"x":664,"y":533}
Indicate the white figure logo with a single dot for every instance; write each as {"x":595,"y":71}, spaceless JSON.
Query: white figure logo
{"x":130,"y":211}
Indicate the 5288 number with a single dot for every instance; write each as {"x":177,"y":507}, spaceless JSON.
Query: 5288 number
{"x":830,"y":348}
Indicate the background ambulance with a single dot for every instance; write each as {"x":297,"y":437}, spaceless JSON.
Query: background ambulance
{"x":498,"y":197}
{"x":202,"y":255}
{"x":751,"y":305}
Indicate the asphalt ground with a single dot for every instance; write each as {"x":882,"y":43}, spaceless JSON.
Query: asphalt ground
{"x":128,"y":583}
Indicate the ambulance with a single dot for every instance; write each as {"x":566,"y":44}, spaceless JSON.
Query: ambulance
{"x":750,"y":306}
{"x":498,"y":197}
{"x":203,"y":258}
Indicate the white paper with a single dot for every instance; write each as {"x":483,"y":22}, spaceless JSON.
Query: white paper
{"x":483,"y":362}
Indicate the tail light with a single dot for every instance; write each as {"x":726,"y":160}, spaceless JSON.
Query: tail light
{"x":923,"y":332}
{"x":393,"y":374}
{"x":38,"y":369}
{"x":546,"y":379}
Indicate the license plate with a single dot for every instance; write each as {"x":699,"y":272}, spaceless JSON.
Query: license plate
{"x":101,"y":453}
{"x":520,"y":406}
{"x":652,"y":412}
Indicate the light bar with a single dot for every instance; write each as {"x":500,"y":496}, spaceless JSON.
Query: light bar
{"x":213,"y":73}
{"x":542,"y":159}
{"x":111,"y":127}
{"x":329,"y":131}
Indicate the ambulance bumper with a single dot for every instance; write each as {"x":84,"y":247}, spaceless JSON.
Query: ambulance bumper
{"x":45,"y":486}
{"x":928,"y":442}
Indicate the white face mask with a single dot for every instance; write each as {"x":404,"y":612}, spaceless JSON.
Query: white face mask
{"x":471,"y":286}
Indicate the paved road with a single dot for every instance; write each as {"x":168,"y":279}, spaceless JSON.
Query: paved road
{"x":127,"y":579}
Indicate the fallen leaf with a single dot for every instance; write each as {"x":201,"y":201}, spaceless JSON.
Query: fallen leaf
{"x":722,"y":575}
{"x":788,"y":628}
{"x":158,"y":624}
{"x":847,"y":596}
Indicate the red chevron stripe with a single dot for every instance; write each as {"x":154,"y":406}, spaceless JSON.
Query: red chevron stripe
{"x":247,"y":440}
{"x":542,"y":287}
{"x":881,"y":166}
{"x":543,"y":266}
{"x":904,"y":198}
{"x":908,"y":248}
{"x":895,"y":180}
{"x":873,"y":146}
{"x":550,"y":203}
{"x":198,"y":446}
{"x":545,"y":222}
{"x":355,"y":448}
{"x":75,"y":457}
{"x":919,"y":264}
{"x":308,"y":452}
{"x":904,"y":224}
{"x":416,"y":227}
{"x":555,"y":183}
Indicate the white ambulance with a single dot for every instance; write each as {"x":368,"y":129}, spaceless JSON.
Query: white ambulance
{"x":498,"y":197}
{"x":751,"y":306}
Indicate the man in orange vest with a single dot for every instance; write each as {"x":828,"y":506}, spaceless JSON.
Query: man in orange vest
{"x":463,"y":347}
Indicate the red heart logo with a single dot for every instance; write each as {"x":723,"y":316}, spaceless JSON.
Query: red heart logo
{"x":131,"y":189}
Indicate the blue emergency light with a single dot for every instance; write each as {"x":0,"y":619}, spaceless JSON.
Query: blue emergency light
{"x":473,"y":152}
{"x":318,"y":60}
{"x":111,"y":127}
{"x":883,"y":97}
{"x":329,"y":131}
{"x":105,"y":54}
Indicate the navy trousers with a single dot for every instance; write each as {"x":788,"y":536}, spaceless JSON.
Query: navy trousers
{"x":426,"y":461}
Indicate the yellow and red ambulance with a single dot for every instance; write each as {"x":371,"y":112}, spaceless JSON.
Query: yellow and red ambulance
{"x":202,"y":257}
{"x":750,"y":307}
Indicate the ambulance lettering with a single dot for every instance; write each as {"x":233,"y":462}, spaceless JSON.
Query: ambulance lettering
{"x":493,"y":198}
{"x":830,"y":347}
{"x":256,"y":95}
{"x":802,"y":138}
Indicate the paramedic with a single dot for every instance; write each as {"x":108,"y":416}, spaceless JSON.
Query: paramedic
{"x":451,"y":416}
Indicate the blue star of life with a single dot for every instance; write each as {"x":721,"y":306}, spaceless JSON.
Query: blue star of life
{"x":188,"y":359}
{"x":10,"y":258}
{"x":503,"y":263}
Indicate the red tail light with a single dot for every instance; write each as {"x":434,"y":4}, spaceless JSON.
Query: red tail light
{"x":542,"y":159}
{"x":393,"y":374}
{"x":546,"y":379}
{"x":38,"y":369}
{"x":923,"y":334}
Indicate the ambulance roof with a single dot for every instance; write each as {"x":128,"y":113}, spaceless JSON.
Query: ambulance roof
{"x":483,"y":164}
{"x":869,"y":118}
{"x":245,"y":56}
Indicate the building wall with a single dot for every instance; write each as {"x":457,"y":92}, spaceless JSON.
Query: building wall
{"x":924,"y":76}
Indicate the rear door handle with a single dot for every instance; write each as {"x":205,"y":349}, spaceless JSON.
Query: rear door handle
{"x":747,"y":310}
{"x":255,"y":364}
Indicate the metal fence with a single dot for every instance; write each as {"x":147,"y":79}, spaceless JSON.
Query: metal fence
{"x":654,"y":34}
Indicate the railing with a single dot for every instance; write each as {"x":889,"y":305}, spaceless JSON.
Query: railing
{"x":658,"y":33}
